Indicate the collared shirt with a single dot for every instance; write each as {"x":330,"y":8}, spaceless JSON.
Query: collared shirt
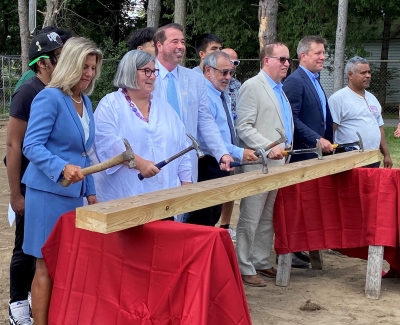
{"x":314,"y":80}
{"x":163,"y":72}
{"x":198,"y":69}
{"x":284,"y":105}
{"x":218,"y":112}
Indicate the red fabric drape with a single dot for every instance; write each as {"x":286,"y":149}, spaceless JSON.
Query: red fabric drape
{"x":160,"y":273}
{"x":348,"y":211}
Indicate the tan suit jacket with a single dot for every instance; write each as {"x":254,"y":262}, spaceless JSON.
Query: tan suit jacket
{"x":258,"y":115}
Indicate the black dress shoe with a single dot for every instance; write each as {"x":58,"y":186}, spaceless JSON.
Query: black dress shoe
{"x":303,"y":256}
{"x":298,"y":263}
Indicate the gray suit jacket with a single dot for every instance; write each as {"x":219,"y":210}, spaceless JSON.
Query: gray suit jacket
{"x":196,"y":115}
{"x":258,"y":115}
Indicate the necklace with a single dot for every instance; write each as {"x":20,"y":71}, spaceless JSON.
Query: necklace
{"x":134,"y":108}
{"x":76,"y":101}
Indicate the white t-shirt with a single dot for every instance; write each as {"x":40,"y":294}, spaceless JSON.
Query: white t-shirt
{"x":354,"y":113}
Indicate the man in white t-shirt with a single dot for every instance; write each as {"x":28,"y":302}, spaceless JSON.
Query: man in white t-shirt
{"x":356,"y":110}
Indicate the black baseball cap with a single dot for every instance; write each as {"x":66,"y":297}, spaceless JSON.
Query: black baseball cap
{"x":42,"y":44}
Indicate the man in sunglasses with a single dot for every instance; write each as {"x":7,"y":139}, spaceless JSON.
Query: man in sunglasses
{"x":44,"y":51}
{"x":204,"y":45}
{"x":218,"y":70}
{"x":311,"y":114}
{"x":261,"y":108}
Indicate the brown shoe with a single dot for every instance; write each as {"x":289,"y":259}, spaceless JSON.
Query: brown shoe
{"x":253,"y":280}
{"x":269,"y":273}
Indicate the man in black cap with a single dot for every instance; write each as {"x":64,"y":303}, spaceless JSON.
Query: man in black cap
{"x":44,"y":51}
{"x":64,"y":35}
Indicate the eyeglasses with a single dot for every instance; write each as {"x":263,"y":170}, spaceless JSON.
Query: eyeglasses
{"x":235,"y":62}
{"x":225,"y":72}
{"x":281,"y":59}
{"x":148,"y":72}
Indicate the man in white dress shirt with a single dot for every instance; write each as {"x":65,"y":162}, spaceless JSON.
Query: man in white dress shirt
{"x":185,"y":90}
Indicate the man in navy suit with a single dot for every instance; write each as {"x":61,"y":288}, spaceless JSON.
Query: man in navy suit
{"x":311,"y":115}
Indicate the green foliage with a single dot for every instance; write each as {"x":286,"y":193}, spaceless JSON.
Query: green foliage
{"x":394,"y":145}
{"x":113,"y":54}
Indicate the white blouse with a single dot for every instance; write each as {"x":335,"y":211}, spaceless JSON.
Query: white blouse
{"x":160,"y":138}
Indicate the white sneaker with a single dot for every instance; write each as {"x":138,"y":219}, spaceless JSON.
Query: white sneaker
{"x":18,"y":313}
{"x":232,"y":232}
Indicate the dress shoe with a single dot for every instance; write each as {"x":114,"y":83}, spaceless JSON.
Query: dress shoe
{"x":253,"y":280}
{"x":269,"y":273}
{"x":298,"y":263}
{"x":303,"y":256}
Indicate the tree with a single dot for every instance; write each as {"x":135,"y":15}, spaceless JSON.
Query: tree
{"x":267,"y":16}
{"x":23,"y":32}
{"x":180,"y":14}
{"x":153,"y":13}
{"x":340,"y":45}
{"x":52,"y":9}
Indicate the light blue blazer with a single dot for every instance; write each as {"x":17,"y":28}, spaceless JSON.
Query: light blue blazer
{"x":54,"y":138}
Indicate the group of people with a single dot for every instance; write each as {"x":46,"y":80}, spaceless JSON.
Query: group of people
{"x":156,"y":103}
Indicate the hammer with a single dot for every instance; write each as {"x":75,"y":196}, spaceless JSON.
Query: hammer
{"x":317,"y":150}
{"x":194,"y":146}
{"x":273,"y":144}
{"x":262,"y":161}
{"x":355,"y":143}
{"x":127,"y":155}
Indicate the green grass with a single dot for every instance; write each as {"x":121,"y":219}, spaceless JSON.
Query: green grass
{"x":394,"y":145}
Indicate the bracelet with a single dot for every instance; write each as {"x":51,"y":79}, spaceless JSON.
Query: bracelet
{"x":62,"y":172}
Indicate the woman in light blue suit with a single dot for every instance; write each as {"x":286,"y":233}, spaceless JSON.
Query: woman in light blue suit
{"x":60,"y":133}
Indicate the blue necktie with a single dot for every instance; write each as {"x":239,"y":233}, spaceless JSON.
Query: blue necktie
{"x":172,"y":96}
{"x":321,"y":96}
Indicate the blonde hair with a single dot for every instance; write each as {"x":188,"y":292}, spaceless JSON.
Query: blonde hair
{"x":71,"y":63}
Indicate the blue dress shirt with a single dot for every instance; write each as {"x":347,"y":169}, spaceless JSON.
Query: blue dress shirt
{"x":285,"y":107}
{"x":218,"y":112}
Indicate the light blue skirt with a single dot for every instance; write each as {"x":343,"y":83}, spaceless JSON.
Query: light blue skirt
{"x":42,"y":210}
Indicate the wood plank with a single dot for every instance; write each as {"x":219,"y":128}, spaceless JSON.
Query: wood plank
{"x":129,"y":212}
{"x":283,"y":270}
{"x":374,"y":272}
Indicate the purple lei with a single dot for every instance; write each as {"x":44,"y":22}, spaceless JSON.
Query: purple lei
{"x":134,"y":108}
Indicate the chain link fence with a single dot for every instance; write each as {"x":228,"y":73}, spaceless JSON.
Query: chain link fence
{"x":385,"y":84}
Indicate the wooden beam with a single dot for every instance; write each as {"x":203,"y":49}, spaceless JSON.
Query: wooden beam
{"x":129,"y":212}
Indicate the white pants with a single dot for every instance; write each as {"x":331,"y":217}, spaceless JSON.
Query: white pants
{"x":255,"y":232}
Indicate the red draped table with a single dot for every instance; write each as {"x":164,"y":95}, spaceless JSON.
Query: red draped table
{"x":159,"y":273}
{"x":347,"y":211}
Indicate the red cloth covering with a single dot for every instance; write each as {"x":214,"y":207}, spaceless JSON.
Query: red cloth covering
{"x":347,"y":211}
{"x":160,"y":273}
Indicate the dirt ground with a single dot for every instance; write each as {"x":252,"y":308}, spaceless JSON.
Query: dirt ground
{"x":338,"y":290}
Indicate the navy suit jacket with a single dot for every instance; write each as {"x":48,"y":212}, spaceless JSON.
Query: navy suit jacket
{"x":54,"y":138}
{"x":307,"y":111}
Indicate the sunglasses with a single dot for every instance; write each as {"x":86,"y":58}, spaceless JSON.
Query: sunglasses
{"x":225,"y":72}
{"x":148,"y":72}
{"x":235,"y":62}
{"x":281,"y":59}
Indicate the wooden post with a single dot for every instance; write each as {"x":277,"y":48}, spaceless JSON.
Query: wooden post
{"x":316,"y":260}
{"x":137,"y":210}
{"x":374,"y":272}
{"x":283,"y":270}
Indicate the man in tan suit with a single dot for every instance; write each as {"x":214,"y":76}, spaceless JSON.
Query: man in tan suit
{"x":261,"y":108}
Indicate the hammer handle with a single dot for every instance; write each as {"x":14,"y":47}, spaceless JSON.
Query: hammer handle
{"x":159,"y":166}
{"x":97,"y":168}
{"x":334,"y":146}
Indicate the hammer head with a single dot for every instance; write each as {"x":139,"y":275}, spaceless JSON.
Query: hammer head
{"x":128,"y":155}
{"x":283,"y":136}
{"x":361,"y":142}
{"x":318,"y":150}
{"x":195,"y":145}
{"x":263,"y":157}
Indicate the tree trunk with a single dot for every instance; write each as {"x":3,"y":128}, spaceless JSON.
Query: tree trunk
{"x":340,"y":45}
{"x":153,"y":13}
{"x":383,"y":72}
{"x":52,"y":8}
{"x":180,"y":14}
{"x":267,"y":15}
{"x":23,"y":32}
